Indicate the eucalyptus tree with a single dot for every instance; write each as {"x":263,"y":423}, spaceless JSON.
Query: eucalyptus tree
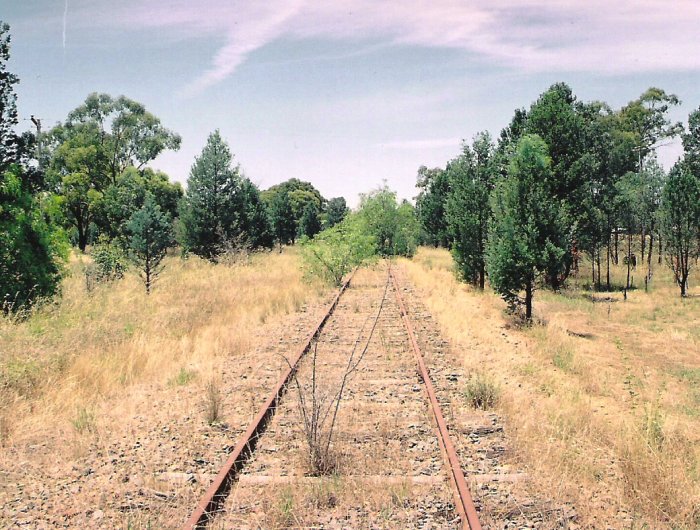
{"x":89,"y":152}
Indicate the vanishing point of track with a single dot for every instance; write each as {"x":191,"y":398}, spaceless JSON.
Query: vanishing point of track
{"x":410,"y":418}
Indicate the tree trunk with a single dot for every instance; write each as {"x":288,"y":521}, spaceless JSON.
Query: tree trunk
{"x":644,"y":241}
{"x":147,"y":270}
{"x":528,"y":301}
{"x":629,"y":259}
{"x":616,"y":256}
{"x":82,"y":236}
{"x":651,"y":250}
{"x":482,"y":275}
{"x":660,"y":250}
{"x":607,"y":272}
{"x":598,"y":263}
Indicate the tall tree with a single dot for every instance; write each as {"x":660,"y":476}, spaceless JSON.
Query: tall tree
{"x":282,"y":219}
{"x":680,"y":222}
{"x":529,"y":234}
{"x":212,"y":210}
{"x":32,"y":247}
{"x":120,"y":200}
{"x":8,"y":104}
{"x":151,"y":233}
{"x":472,"y":176}
{"x":336,"y":210}
{"x":434,"y":186}
{"x":394,"y":226}
{"x":647,"y":119}
{"x":300,"y":194}
{"x":254,"y":220}
{"x":98,"y":141}
{"x":310,"y":224}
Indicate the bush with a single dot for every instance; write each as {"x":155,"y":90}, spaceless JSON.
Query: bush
{"x":334,"y":252}
{"x":109,"y":263}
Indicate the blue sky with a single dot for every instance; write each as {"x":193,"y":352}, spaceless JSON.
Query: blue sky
{"x":345,"y":94}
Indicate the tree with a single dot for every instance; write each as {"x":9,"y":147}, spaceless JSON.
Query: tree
{"x":647,"y":119}
{"x":299,"y":194}
{"x":395,"y":229}
{"x":254,"y":221}
{"x":151,"y":234}
{"x":528,"y":233}
{"x":310,"y":224}
{"x":471,"y":177}
{"x":680,"y":222}
{"x":336,"y":210}
{"x":8,"y":104}
{"x":31,"y":246}
{"x":213,"y":210}
{"x":89,"y":152}
{"x":334,"y":252}
{"x":282,"y":219}
{"x":430,"y":205}
{"x":691,"y":142}
{"x":120,"y":200}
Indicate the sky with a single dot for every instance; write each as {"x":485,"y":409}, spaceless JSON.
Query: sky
{"x":346,"y":94}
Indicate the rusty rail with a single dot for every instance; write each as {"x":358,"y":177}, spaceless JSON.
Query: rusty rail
{"x":216,"y":494}
{"x":463,"y":499}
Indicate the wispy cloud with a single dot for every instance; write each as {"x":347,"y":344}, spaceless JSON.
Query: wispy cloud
{"x":65,"y":22}
{"x":535,"y":35}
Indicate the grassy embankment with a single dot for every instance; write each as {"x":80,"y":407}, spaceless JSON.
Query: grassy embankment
{"x":602,"y":403}
{"x":88,"y":350}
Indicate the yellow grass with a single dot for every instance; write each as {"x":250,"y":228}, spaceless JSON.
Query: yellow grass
{"x":602,"y":402}
{"x":69,"y":357}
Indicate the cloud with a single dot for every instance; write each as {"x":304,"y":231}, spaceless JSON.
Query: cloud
{"x":600,"y":36}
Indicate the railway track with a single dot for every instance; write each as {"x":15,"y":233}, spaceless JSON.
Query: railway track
{"x":392,"y":460}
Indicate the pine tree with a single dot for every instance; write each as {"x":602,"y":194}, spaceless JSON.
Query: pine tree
{"x":8,"y":104}
{"x":528,"y":235}
{"x":150,"y":236}
{"x":467,"y":207}
{"x":210,"y":213}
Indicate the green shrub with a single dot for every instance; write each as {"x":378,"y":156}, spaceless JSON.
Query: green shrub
{"x":334,"y":252}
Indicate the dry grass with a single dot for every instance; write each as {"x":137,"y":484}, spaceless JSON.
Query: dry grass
{"x":603,"y":402}
{"x":69,"y":357}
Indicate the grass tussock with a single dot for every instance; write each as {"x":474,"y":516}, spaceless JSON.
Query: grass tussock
{"x":87,"y":347}
{"x":603,"y":402}
{"x":481,"y":392}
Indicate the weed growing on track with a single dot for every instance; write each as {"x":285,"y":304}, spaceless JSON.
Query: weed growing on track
{"x":213,"y":403}
{"x":601,"y":404}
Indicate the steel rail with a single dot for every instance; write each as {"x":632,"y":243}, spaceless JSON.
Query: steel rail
{"x":217,"y":492}
{"x":464,"y":502}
